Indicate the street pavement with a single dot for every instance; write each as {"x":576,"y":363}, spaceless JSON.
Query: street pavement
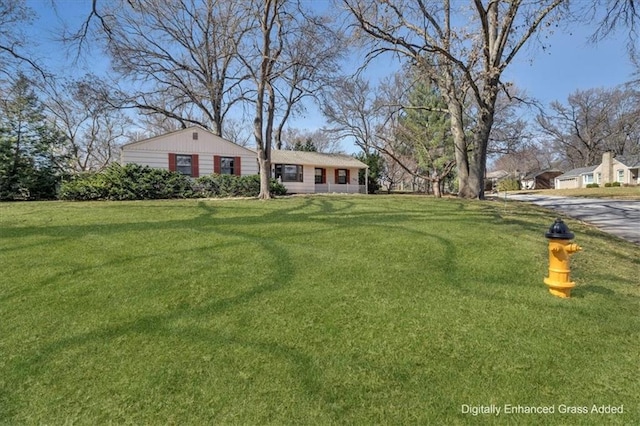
{"x":617,"y":217}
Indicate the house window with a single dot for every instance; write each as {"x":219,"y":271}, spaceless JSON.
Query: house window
{"x":184,"y":164}
{"x":321,"y":176}
{"x":342,"y":176}
{"x":288,"y":172}
{"x":227,"y":165}
{"x":195,"y":136}
{"x":598,"y":177}
{"x":621,"y":175}
{"x":588,"y":178}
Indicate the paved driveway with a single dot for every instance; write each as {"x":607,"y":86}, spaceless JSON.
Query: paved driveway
{"x":617,"y":217}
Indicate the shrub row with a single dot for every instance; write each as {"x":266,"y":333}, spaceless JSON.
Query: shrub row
{"x":606,"y":185}
{"x":234,"y":186}
{"x":136,"y":182}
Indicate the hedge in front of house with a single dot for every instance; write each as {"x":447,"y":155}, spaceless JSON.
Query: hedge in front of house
{"x":130,"y":182}
{"x":136,"y":182}
{"x":234,"y":186}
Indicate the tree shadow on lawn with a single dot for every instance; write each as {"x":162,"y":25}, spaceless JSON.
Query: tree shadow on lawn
{"x":281,"y":272}
{"x":281,"y":275}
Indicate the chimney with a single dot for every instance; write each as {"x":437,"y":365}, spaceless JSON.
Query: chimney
{"x":607,"y":167}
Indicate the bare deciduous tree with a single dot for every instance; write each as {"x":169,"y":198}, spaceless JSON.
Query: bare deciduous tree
{"x":14,"y":14}
{"x":592,"y":122}
{"x":264,"y":69}
{"x":180,"y":59}
{"x":350,"y":108}
{"x":463,"y":49}
{"x":322,"y":139}
{"x":93,"y":129}
{"x":311,"y":57}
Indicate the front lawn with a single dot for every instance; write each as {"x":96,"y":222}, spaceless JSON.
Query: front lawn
{"x":619,"y":192}
{"x":309,"y":310}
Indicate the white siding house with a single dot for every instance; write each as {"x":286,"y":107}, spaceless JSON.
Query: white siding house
{"x":624,"y":170}
{"x":195,"y":151}
{"x":305,"y":172}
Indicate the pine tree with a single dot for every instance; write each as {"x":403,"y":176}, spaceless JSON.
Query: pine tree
{"x":32,"y":153}
{"x":424,"y":132}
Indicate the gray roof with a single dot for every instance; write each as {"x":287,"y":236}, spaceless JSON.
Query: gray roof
{"x":315,"y":159}
{"x":533,"y":175}
{"x":497,"y":174}
{"x":577,"y":172}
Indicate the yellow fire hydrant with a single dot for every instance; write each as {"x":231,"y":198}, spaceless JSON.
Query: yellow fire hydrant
{"x":560,"y":248}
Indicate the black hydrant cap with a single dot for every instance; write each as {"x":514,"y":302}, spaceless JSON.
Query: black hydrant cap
{"x":559,"y":230}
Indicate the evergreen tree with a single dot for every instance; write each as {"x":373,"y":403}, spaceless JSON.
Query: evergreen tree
{"x":32,"y":153}
{"x":376,"y":165}
{"x":424,"y":133}
{"x":308,"y":146}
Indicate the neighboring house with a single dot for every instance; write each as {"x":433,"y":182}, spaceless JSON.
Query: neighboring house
{"x":626,"y":170}
{"x":621,"y":169}
{"x":576,"y":178}
{"x":544,"y":179}
{"x":196,"y":152}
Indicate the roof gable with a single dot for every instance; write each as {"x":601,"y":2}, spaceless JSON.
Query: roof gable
{"x":535,"y":174}
{"x":183,"y":141}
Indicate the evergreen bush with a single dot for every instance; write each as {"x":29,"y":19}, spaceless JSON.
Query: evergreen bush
{"x":130,"y":182}
{"x":136,"y":182}
{"x":508,"y":185}
{"x":218,"y":186}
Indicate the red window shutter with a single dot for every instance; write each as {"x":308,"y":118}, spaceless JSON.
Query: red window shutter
{"x":337,"y":177}
{"x":172,"y":162}
{"x":324,"y":176}
{"x":217,"y":165}
{"x":348,"y":175}
{"x":236,"y":166}
{"x":195,"y":166}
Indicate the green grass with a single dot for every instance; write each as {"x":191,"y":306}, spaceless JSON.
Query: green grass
{"x":621,"y":192}
{"x":308,"y":310}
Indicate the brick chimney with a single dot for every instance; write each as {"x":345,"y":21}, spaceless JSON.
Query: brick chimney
{"x":607,"y":167}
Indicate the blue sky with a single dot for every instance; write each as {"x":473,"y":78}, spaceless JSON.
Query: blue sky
{"x":570,"y":63}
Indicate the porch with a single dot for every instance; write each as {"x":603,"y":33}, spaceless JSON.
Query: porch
{"x":322,"y":188}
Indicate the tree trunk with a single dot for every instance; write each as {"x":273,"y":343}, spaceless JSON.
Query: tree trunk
{"x":481,"y":138}
{"x":460,"y":145}
{"x":264,"y":162}
{"x":435,"y":186}
{"x":265,"y":176}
